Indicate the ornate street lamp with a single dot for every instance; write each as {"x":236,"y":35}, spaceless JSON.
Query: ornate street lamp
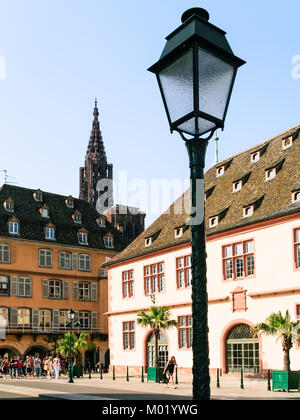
{"x":196,"y":74}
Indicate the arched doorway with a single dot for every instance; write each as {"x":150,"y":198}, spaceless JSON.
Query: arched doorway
{"x":163,"y":353}
{"x":8,"y":352}
{"x":242,"y":350}
{"x":37,"y":351}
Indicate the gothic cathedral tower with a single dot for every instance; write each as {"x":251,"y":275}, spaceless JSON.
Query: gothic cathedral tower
{"x":96,"y":167}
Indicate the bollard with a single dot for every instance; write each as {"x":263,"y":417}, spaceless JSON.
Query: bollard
{"x":114,"y":374}
{"x":176,"y":377}
{"x":143,"y":374}
{"x":242,"y":379}
{"x":269,"y":380}
{"x":218,"y":378}
{"x":101,"y":373}
{"x":90,"y":376}
{"x":127,"y":374}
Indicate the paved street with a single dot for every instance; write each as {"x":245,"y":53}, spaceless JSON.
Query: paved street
{"x":120,"y":389}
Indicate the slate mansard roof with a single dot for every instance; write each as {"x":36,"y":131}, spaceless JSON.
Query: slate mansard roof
{"x":32,"y":224}
{"x":270,"y":199}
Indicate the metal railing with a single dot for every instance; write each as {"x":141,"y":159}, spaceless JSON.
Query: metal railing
{"x":13,"y":328}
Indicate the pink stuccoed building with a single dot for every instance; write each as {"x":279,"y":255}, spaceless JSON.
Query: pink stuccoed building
{"x":253,"y":262}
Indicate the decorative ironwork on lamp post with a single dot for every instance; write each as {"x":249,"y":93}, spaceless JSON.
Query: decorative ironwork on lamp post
{"x":71,"y":315}
{"x":196,"y":73}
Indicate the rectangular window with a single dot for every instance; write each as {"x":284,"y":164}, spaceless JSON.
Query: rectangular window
{"x":83,"y":291}
{"x":3,"y":318}
{"x":184,"y":272}
{"x":238,"y":260}
{"x":84,"y":319}
{"x":129,"y":335}
{"x":14,"y":228}
{"x":45,"y":258}
{"x":185,"y":331}
{"x":84,"y":262}
{"x":127,"y":284}
{"x":65,"y":261}
{"x":4,"y":286}
{"x":23,"y":318}
{"x":24,"y":287}
{"x":63,"y":319}
{"x":297,"y":247}
{"x":50,"y":233}
{"x":4,"y":254}
{"x":154,"y":278}
{"x":55,"y":289}
{"x":45,"y":320}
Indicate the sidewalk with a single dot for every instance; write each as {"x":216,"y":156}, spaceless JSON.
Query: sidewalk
{"x":95,"y":388}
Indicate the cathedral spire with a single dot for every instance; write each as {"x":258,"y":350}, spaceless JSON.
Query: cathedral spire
{"x":96,"y":142}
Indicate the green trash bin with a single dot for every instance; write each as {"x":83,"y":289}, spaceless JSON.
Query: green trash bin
{"x":155,"y":374}
{"x":283,"y":380}
{"x":78,"y":371}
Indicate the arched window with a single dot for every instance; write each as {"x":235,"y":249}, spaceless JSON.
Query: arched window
{"x":242,"y":350}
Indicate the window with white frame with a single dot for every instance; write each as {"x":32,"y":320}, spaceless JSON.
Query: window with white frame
{"x":270,"y":174}
{"x":70,"y":202}
{"x":13,"y":227}
{"x":9,"y":206}
{"x":4,"y":253}
{"x":4,"y":286}
{"x":178,"y":232}
{"x":4,"y":317}
{"x":83,"y":238}
{"x":45,"y":319}
{"x":84,"y":262}
{"x":248,"y":211}
{"x":24,"y":287}
{"x":45,"y":213}
{"x":50,"y":233}
{"x":109,"y":241}
{"x":45,"y":258}
{"x":65,"y":260}
{"x":23,"y":318}
{"x":213,"y":221}
{"x":84,"y":319}
{"x":127,"y":284}
{"x":255,"y":157}
{"x":77,"y":218}
{"x":55,"y":289}
{"x":185,"y":331}
{"x":101,"y":222}
{"x":129,"y":335}
{"x":237,"y":186}
{"x":184,"y":272}
{"x":63,"y":318}
{"x":148,"y":242}
{"x":154,"y":278}
{"x":220,"y":171}
{"x":238,"y":260}
{"x":286,"y":143}
{"x":84,"y":291}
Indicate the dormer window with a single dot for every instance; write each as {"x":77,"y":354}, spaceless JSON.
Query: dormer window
{"x":9,"y":205}
{"x":50,"y":233}
{"x":213,"y":221}
{"x":44,"y":212}
{"x":70,"y":202}
{"x":296,"y":196}
{"x":237,"y":186}
{"x":83,"y":237}
{"x":255,"y":157}
{"x":178,"y":232}
{"x":14,"y":227}
{"x":220,"y":171}
{"x":148,"y":242}
{"x":270,"y":174}
{"x":38,"y":196}
{"x":248,"y":211}
{"x":286,"y":143}
{"x":101,"y":222}
{"x":109,"y":242}
{"x":77,"y":217}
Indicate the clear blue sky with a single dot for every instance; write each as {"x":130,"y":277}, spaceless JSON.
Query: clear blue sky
{"x":61,"y":54}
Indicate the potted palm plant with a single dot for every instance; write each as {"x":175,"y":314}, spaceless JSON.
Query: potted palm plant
{"x":157,"y":319}
{"x":71,"y":345}
{"x":284,"y":329}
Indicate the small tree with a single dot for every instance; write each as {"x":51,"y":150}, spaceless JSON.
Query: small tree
{"x":283,"y":328}
{"x":70,"y":345}
{"x":157,"y":319}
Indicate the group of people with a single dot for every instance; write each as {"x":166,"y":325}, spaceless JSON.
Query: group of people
{"x":33,"y":366}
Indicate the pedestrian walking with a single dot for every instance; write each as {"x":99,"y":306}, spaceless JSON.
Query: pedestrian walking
{"x":37,"y":367}
{"x":5,"y":366}
{"x":169,"y":371}
{"x":19,"y":367}
{"x":56,"y":367}
{"x":49,"y":366}
{"x":13,"y":367}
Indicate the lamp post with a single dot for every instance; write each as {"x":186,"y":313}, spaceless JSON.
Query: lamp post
{"x":71,"y":316}
{"x":196,"y":74}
